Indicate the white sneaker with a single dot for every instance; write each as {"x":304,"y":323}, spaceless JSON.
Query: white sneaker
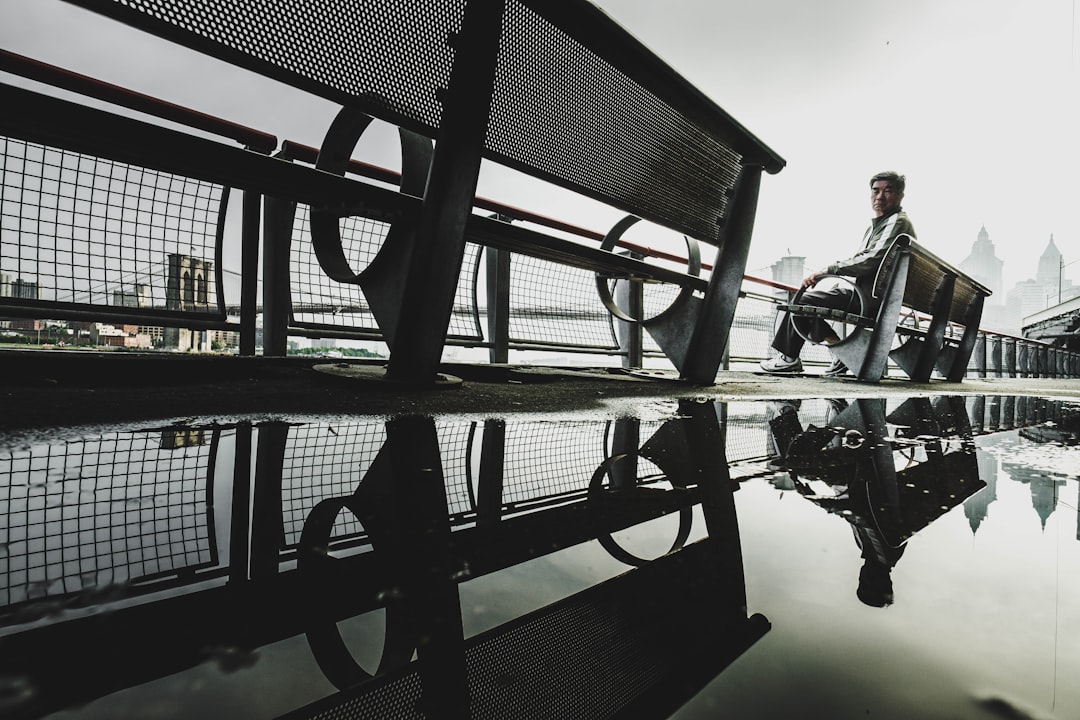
{"x":837,"y":369}
{"x":781,"y":363}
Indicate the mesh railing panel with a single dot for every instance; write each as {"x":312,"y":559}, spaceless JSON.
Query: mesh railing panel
{"x":545,"y":459}
{"x":557,"y":304}
{"x":747,"y":432}
{"x":117,"y":509}
{"x":84,"y":231}
{"x":320,"y":302}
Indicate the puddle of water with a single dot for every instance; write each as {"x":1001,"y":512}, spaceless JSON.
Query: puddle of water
{"x":860,"y":558}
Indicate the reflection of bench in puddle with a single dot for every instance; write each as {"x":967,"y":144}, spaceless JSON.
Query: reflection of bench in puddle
{"x":899,"y":481}
{"x":646,"y":640}
{"x":639,"y":645}
{"x":887,"y":485}
{"x":413,"y":558}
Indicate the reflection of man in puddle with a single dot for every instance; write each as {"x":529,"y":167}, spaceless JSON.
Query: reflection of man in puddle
{"x":875,"y":577}
{"x":848,"y":495}
{"x":839,"y":478}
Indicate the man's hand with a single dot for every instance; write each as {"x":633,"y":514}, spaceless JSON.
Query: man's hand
{"x":811,"y":279}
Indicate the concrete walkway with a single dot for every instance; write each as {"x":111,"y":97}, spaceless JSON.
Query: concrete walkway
{"x":64,"y":388}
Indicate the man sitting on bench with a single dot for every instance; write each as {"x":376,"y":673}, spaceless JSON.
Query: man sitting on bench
{"x":886,"y":193}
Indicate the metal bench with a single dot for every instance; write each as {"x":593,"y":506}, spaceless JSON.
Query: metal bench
{"x":933,"y":307}
{"x":556,"y":90}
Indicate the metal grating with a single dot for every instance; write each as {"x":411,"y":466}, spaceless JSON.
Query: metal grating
{"x":559,"y":110}
{"x":393,"y":55}
{"x":81,"y":231}
{"x":557,"y":304}
{"x":117,"y":509}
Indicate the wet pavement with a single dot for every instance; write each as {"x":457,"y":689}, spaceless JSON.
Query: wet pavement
{"x":551,"y":543}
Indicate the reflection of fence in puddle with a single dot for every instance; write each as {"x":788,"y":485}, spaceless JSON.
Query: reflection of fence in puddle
{"x":120,"y":508}
{"x":136,"y":507}
{"x":541,"y":462}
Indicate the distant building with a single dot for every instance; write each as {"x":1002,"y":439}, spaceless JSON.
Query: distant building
{"x":1027,"y":297}
{"x":984,"y":265}
{"x":135,"y":296}
{"x":22,"y":289}
{"x":25,"y":289}
{"x":789,"y":270}
{"x":1047,"y":289}
{"x":1050,"y":276}
{"x":126,"y":336}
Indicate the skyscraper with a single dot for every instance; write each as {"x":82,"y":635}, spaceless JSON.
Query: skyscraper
{"x":1049,"y":273}
{"x":984,"y":265}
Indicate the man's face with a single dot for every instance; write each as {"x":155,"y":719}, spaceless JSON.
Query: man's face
{"x":885,"y":197}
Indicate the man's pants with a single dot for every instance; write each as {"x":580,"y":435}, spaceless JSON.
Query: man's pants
{"x":790,"y":342}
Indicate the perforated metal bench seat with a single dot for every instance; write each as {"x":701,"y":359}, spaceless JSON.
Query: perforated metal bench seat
{"x":575,"y":99}
{"x":556,"y":90}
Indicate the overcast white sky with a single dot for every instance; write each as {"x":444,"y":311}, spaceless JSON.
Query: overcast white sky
{"x":976,"y":101}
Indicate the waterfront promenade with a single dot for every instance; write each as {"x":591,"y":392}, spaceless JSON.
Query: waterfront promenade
{"x":56,"y":388}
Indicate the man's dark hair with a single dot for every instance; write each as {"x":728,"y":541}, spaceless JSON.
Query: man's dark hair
{"x":894,"y":177}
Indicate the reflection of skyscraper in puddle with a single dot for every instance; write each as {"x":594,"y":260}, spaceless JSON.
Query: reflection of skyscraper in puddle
{"x":1041,"y":451}
{"x":172,"y":439}
{"x":977,"y":506}
{"x":1044,"y":488}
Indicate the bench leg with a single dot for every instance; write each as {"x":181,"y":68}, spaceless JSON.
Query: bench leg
{"x":383,"y":280}
{"x":876,"y":358}
{"x":956,"y":369}
{"x":432,"y":276}
{"x":708,"y":326}
{"x":932,"y":343}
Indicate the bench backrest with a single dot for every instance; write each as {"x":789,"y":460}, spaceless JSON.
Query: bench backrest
{"x":925,"y":274}
{"x":576,"y":101}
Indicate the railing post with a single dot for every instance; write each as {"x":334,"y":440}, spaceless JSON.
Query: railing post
{"x":278,"y":217}
{"x":1010,"y":356}
{"x":249,"y":270}
{"x":979,"y":354}
{"x":491,"y":475}
{"x":995,"y":350}
{"x":630,"y":295}
{"x":498,"y":304}
{"x":240,"y":518}
{"x":267,"y":523}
